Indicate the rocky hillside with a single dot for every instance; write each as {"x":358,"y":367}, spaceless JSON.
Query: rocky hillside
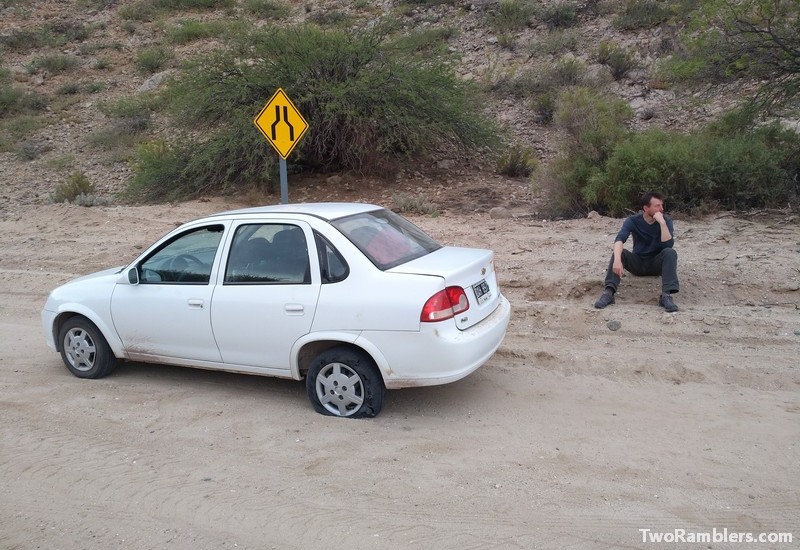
{"x":72,"y":57}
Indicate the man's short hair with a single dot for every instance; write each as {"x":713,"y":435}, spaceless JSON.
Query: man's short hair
{"x":650,"y":195}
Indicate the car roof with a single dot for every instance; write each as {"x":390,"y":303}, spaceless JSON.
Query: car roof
{"x":325,"y":210}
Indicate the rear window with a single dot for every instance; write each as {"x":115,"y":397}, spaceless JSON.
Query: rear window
{"x":386,"y":238}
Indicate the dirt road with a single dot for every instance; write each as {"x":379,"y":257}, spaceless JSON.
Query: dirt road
{"x":573,"y":435}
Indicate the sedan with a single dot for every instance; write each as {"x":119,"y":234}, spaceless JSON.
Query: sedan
{"x":353,"y":298}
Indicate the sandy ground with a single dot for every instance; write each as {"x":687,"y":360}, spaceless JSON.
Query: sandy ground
{"x":571,"y":436}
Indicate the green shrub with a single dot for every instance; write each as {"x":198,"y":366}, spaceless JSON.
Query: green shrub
{"x":123,"y":133}
{"x":22,"y":40}
{"x":695,"y":171}
{"x":544,"y":107}
{"x":618,"y":59}
{"x":268,"y":9}
{"x":593,"y":124}
{"x":15,"y":100}
{"x":642,"y":14}
{"x":21,"y":126}
{"x":32,"y":149}
{"x":371,"y":105}
{"x":545,"y":78}
{"x":424,"y":40}
{"x":730,"y":164}
{"x":557,"y":42}
{"x":152,"y":59}
{"x":507,"y":41}
{"x":330,"y":18}
{"x":147,"y":10}
{"x":139,"y":105}
{"x":77,"y":184}
{"x":559,"y":15}
{"x":71,"y":88}
{"x":158,"y":172}
{"x":192,"y":29}
{"x":96,"y":4}
{"x":15,"y":131}
{"x":428,"y":3}
{"x":54,"y":64}
{"x":568,"y":71}
{"x":517,"y":161}
{"x":63,"y":32}
{"x":94,"y":87}
{"x":511,"y":15}
{"x":61,"y":163}
{"x":414,"y":204}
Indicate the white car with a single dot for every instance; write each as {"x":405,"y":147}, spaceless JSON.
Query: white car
{"x":352,"y":297}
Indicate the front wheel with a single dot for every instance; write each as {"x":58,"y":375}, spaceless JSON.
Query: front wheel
{"x":84,"y":350}
{"x":345,"y":382}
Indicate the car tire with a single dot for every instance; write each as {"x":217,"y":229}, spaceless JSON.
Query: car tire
{"x":345,"y":382}
{"x":85,"y":351}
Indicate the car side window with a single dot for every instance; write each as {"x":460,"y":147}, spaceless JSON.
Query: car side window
{"x":332,"y":265}
{"x":269,"y":253}
{"x":186,"y":259}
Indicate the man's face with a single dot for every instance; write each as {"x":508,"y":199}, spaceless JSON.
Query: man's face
{"x":656,"y":205}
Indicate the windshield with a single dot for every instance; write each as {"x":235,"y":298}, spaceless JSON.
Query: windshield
{"x":386,"y":238}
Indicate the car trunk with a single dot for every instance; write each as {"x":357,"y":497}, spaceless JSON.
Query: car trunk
{"x":470,"y":268}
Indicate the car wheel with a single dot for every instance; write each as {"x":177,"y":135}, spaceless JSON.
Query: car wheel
{"x":84,"y":350}
{"x":345,"y":382}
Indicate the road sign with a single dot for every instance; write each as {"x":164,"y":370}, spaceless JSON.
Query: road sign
{"x":281,"y":123}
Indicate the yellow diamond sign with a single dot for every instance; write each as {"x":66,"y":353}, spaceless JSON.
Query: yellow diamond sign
{"x":281,"y":123}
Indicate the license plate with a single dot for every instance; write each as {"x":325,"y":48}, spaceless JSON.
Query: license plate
{"x":482,"y":292}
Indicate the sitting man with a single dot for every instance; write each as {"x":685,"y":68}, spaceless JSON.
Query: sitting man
{"x":652,"y":252}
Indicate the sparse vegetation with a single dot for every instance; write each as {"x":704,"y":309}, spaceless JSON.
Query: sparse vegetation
{"x":619,"y":60}
{"x":373,"y":104}
{"x":546,"y":78}
{"x":14,"y":100}
{"x":152,"y":59}
{"x":642,"y":14}
{"x":544,"y":107}
{"x":147,"y":10}
{"x":71,"y":88}
{"x":559,"y":15}
{"x":755,"y":41}
{"x":557,"y":42}
{"x":77,"y":184}
{"x":54,"y":64}
{"x":517,"y":161}
{"x":405,"y":203}
{"x":426,"y":40}
{"x":381,"y":92}
{"x":268,"y":9}
{"x":189,"y":30}
{"x":510,"y":15}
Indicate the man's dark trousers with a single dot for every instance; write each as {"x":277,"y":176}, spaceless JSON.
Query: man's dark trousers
{"x":665,"y":263}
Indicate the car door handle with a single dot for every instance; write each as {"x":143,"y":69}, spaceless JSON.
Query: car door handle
{"x":294,"y":309}
{"x":195,"y":303}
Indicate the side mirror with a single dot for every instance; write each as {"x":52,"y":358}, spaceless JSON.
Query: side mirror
{"x":133,"y":276}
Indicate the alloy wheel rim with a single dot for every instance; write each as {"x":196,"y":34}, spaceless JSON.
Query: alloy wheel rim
{"x":340,"y":389}
{"x":80,"y":349}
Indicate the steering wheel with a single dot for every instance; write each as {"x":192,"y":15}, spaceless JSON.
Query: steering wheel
{"x":180,"y":263}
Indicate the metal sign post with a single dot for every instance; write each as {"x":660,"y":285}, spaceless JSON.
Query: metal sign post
{"x":284,"y":182}
{"x":283,"y":126}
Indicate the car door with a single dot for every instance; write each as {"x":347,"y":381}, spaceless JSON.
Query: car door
{"x":267,"y":294}
{"x":167,"y":314}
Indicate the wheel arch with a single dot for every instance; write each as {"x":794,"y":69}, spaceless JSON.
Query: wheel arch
{"x":107,"y":332}
{"x":305,"y":352}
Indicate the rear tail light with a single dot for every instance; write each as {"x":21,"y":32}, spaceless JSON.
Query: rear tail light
{"x":444,"y":305}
